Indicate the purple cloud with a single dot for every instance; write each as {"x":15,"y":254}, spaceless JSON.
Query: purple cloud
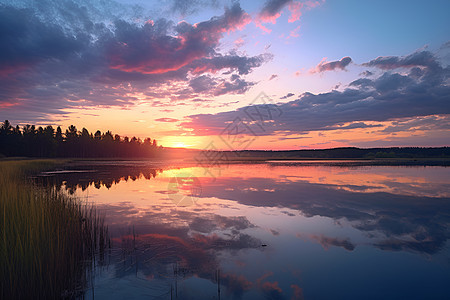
{"x":73,"y":60}
{"x":390,"y":96}
{"x":331,"y":65}
{"x":417,"y":59}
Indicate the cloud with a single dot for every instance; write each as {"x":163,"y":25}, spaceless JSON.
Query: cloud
{"x":416,"y":59}
{"x":366,"y":73}
{"x":188,"y":7}
{"x":72,"y":55}
{"x":272,"y":10}
{"x":234,"y":86}
{"x":295,"y":32}
{"x":331,"y":65}
{"x":149,"y":49}
{"x":389,"y":97}
{"x":166,"y":120}
{"x":243,"y":65}
{"x":419,"y":124}
{"x":208,"y":85}
{"x":25,"y":44}
{"x":288,"y":95}
{"x":295,"y":9}
{"x":202,"y":83}
{"x":239,"y":42}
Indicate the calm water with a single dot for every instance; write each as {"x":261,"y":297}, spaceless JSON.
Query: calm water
{"x":270,"y":231}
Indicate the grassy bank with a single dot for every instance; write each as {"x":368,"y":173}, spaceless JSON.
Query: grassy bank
{"x":47,"y":238}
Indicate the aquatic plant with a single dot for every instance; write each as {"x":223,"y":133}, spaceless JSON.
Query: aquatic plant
{"x":48,"y":238}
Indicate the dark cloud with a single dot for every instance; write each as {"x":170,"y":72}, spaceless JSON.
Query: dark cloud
{"x":202,"y":83}
{"x":81,"y":54}
{"x":419,"y":123}
{"x":235,"y":85}
{"x":273,"y":7}
{"x":417,"y":59}
{"x":391,"y":96}
{"x":242,"y":64}
{"x":366,"y":73}
{"x":149,"y":49}
{"x":208,"y":85}
{"x":288,"y":95}
{"x":272,"y":10}
{"x":332,"y":65}
{"x":187,"y":7}
{"x":25,"y":44}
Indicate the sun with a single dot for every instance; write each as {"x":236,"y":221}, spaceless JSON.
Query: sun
{"x":180,"y":145}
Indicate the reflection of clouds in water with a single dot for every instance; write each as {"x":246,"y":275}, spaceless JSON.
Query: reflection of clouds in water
{"x":270,"y":289}
{"x":326,"y":242}
{"x":382,"y":206}
{"x":412,"y":181}
{"x":417,"y":223}
{"x":206,"y":224}
{"x":192,"y":240}
{"x":236,"y":211}
{"x":236,"y":285}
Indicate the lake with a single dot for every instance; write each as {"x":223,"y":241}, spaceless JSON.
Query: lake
{"x":276,"y":230}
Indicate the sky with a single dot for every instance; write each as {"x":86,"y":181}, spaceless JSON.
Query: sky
{"x":230,"y":75}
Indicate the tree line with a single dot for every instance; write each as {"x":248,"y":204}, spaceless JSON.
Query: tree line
{"x":50,"y":142}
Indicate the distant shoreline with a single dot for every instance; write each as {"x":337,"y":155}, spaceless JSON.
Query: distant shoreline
{"x":344,"y":162}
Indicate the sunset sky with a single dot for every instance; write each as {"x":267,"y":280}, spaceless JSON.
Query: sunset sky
{"x":342,"y":72}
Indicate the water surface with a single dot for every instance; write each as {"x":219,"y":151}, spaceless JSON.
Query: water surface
{"x":270,"y":230}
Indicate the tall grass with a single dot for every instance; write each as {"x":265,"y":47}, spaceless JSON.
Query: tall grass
{"x":47,"y":238}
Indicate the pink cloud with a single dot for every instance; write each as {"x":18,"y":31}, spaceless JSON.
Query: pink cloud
{"x":295,"y":9}
{"x":294,"y":33}
{"x":239,"y":42}
{"x":166,"y":120}
{"x":8,"y":104}
{"x":262,"y":27}
{"x":273,"y":9}
{"x":267,"y":18}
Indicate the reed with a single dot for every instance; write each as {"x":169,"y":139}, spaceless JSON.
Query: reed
{"x":48,"y":239}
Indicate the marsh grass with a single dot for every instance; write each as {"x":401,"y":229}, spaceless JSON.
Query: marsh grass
{"x":48,"y":239}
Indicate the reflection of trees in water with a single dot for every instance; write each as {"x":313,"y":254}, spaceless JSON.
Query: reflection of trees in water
{"x":105,"y":176}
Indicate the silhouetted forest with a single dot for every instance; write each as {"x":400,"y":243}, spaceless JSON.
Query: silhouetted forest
{"x":50,"y":142}
{"x":348,"y":153}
